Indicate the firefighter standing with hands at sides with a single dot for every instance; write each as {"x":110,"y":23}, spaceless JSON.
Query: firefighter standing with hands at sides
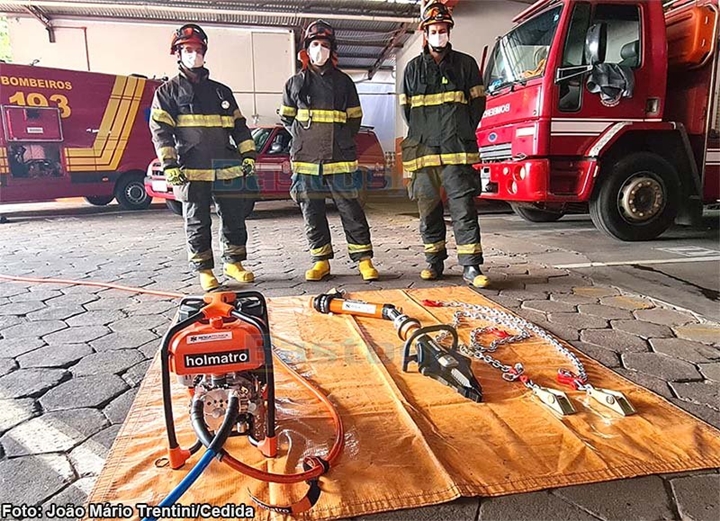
{"x":321,"y":110}
{"x":443,"y":100}
{"x":201,"y":138}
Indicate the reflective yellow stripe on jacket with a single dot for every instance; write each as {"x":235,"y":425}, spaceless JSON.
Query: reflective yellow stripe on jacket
{"x":246,"y":146}
{"x":428,"y":100}
{"x":166,"y":154}
{"x":287,"y":111}
{"x":161,"y":116}
{"x":327,"y":168}
{"x":322,"y":116}
{"x":477,"y":92}
{"x":204,"y":120}
{"x":460,"y":158}
{"x":354,"y":112}
{"x":210,"y":174}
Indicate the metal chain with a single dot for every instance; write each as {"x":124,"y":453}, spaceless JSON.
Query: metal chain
{"x":525,"y":329}
{"x":480,"y":352}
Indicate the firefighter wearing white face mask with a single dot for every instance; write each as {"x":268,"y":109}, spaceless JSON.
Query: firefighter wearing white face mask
{"x":321,"y":110}
{"x":204,"y":145}
{"x":443,"y":100}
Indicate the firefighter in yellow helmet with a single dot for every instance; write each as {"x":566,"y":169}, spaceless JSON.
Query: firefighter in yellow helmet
{"x":321,"y":110}
{"x":443,"y":100}
{"x":206,"y":149}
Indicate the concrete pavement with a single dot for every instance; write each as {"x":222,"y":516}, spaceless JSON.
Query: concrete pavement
{"x":72,"y":357}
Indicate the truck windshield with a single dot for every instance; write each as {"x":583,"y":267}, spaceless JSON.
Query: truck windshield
{"x":522,"y":53}
{"x":260,"y":135}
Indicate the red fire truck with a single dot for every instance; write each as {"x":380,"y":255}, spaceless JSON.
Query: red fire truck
{"x":606,"y":105}
{"x":74,"y":134}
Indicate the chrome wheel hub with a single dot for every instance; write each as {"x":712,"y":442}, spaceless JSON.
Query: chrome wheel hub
{"x":641,"y":198}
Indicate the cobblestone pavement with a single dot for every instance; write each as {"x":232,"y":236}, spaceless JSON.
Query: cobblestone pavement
{"x":72,"y":357}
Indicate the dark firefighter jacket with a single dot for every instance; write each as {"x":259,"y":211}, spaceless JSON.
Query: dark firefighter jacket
{"x":442,"y":104}
{"x":199,"y":127}
{"x":322,"y":112}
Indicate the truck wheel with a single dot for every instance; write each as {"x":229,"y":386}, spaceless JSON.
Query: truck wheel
{"x":100,"y":200}
{"x":537,"y":215}
{"x":130,"y":192}
{"x":174,"y":206}
{"x":638,"y":199}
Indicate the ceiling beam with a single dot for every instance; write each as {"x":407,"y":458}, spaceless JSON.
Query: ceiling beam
{"x":359,"y":56}
{"x":385,"y":54}
{"x":147,"y":7}
{"x":351,"y":43}
{"x":43,"y":18}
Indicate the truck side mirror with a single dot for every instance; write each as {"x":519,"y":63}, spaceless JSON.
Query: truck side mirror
{"x":483,"y":61}
{"x":596,"y":44}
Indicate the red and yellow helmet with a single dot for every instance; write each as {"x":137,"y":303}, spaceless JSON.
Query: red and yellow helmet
{"x":436,"y":13}
{"x":188,"y":33}
{"x":320,"y":30}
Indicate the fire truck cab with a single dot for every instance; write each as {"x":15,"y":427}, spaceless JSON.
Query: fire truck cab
{"x":606,"y":105}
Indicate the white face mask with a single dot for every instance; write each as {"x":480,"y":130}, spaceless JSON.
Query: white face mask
{"x":438,"y":40}
{"x":192,"y":60}
{"x":319,"y":55}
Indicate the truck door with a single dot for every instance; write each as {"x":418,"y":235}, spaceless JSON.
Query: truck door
{"x":33,"y":137}
{"x":274,"y":163}
{"x":616,"y":90}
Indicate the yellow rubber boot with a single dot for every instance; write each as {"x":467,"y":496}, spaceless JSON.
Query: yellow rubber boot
{"x":319,"y":271}
{"x":432,"y":272}
{"x":367,"y":270}
{"x":475,"y":277}
{"x":208,"y":282}
{"x":237,"y":272}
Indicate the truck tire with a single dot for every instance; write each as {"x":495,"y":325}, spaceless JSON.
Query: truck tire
{"x":637,"y":199}
{"x":174,"y":206}
{"x":130,"y":192}
{"x":100,"y":200}
{"x":536,"y":215}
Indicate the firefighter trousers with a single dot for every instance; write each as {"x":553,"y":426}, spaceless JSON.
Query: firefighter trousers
{"x":233,"y":208}
{"x":461,"y":185}
{"x":310,"y":192}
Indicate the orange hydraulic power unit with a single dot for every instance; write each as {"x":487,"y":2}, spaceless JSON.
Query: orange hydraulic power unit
{"x":220,"y":349}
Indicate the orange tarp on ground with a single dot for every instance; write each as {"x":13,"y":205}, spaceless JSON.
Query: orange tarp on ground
{"x":410,"y":440}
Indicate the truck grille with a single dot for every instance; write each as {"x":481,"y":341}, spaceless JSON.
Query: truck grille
{"x":501,"y":152}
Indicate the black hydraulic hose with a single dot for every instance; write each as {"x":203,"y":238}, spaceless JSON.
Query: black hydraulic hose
{"x":215,"y":444}
{"x":165,"y":374}
{"x":227,"y":425}
{"x":198,"y":424}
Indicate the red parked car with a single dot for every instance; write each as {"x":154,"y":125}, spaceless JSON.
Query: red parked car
{"x":273,"y":166}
